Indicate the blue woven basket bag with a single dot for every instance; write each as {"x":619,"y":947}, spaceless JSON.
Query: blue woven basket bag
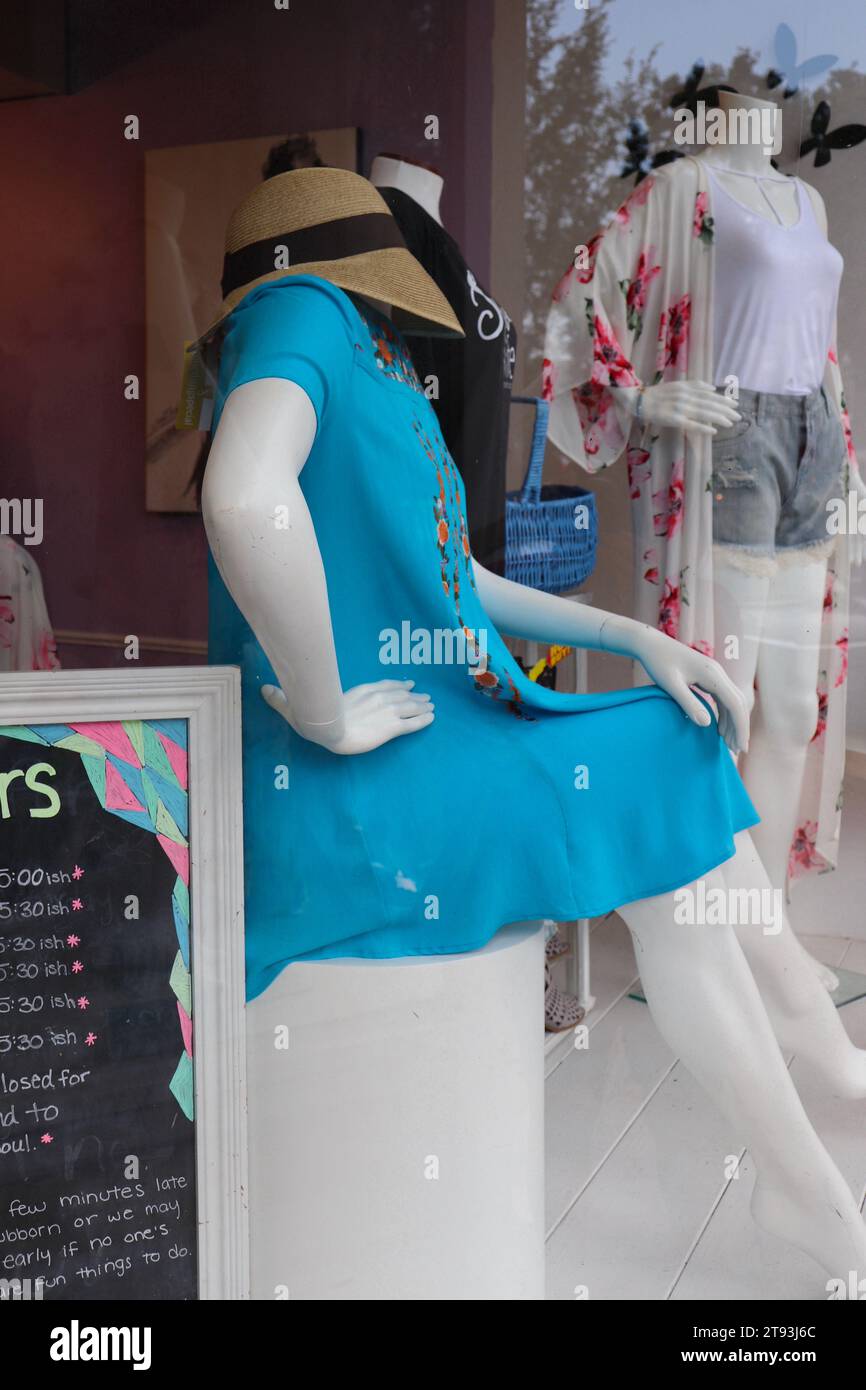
{"x":550,"y":532}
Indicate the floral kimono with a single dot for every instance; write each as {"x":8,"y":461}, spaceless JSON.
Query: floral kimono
{"x":26,"y":639}
{"x":635,"y":309}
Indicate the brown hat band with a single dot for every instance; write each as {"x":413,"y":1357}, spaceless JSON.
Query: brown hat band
{"x":346,"y":236}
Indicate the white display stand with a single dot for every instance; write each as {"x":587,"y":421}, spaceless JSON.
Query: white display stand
{"x":396,"y":1127}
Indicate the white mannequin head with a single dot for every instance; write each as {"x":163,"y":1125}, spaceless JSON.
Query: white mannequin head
{"x":752,"y":121}
{"x":418,"y":181}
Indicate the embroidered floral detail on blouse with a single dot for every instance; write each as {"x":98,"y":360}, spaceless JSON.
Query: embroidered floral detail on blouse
{"x":703,"y":224}
{"x":455,"y":565}
{"x":390,"y":353}
{"x":452,"y":534}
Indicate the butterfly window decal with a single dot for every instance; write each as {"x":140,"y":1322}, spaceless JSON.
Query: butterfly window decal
{"x":823,"y":140}
{"x":787,"y":73}
{"x":638,"y":160}
{"x":788,"y":70}
{"x":688,"y":97}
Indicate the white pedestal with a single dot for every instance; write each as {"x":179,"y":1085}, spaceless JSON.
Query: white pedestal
{"x":397,"y":1143}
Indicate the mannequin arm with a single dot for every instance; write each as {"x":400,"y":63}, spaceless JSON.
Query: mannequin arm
{"x":263,"y":542}
{"x":539,"y":617}
{"x":693,"y":406}
{"x":529,"y":613}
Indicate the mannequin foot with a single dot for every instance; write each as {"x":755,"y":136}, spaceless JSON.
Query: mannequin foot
{"x":830,"y":1230}
{"x":845,"y":1079}
{"x":828,"y":979}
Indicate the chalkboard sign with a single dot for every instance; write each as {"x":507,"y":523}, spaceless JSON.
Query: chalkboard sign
{"x":120,"y":1016}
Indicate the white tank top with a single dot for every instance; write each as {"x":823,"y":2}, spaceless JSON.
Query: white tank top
{"x":774,"y":296}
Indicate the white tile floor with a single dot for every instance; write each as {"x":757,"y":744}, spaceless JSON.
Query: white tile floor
{"x":638,"y":1206}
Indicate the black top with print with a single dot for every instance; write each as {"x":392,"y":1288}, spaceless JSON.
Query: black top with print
{"x":474,"y":375}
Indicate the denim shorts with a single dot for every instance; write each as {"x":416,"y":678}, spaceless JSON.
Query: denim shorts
{"x":773,"y":475}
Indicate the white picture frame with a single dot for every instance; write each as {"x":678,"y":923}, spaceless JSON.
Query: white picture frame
{"x":208,"y":698}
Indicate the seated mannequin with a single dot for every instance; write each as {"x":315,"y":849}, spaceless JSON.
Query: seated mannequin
{"x":472,"y":398}
{"x":414,"y":824}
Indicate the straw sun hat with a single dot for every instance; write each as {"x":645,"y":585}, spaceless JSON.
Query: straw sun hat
{"x":331,"y":223}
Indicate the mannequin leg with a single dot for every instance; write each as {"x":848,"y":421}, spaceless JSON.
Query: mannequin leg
{"x":706,"y":1004}
{"x":787,"y":707}
{"x":740,"y":603}
{"x":804,"y":1017}
{"x":776,"y":622}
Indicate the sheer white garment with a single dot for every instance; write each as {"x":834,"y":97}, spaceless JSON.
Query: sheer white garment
{"x":776,"y":289}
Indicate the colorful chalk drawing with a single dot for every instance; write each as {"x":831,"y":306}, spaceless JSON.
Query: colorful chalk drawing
{"x":138,"y":769}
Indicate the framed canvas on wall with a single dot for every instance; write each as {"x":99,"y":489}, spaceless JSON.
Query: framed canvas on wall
{"x":190,"y":193}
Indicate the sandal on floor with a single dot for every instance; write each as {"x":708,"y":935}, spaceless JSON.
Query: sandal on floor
{"x":556,"y":946}
{"x":561,"y":1011}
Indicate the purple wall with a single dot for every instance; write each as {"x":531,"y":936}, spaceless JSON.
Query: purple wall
{"x":72,"y":262}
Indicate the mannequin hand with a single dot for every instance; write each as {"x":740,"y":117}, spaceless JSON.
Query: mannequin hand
{"x":693,"y":406}
{"x":371,"y":715}
{"x":858,"y":540}
{"x":675,"y":667}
